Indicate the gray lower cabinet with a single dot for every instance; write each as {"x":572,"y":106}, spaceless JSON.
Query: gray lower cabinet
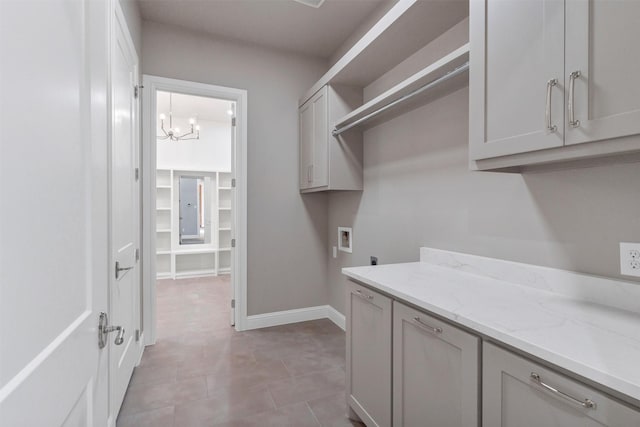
{"x":435,"y":372}
{"x":520,"y":393}
{"x":369,"y":355}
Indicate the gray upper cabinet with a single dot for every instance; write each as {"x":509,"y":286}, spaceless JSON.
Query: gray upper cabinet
{"x":516,"y":81}
{"x":369,"y":355}
{"x":313,"y":141}
{"x":520,"y":393}
{"x":602,"y":70}
{"x":328,"y":162}
{"x":435,"y":372}
{"x":548,"y":76}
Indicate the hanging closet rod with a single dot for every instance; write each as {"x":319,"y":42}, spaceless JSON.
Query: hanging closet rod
{"x":464,"y":67}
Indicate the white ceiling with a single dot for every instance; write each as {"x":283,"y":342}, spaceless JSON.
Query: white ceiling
{"x":198,"y":107}
{"x":281,"y":24}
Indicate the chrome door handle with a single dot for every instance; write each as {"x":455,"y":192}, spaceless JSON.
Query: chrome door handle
{"x":428,"y":328}
{"x":104,"y":329}
{"x":586,"y":403}
{"x":571,"y":105}
{"x":547,"y":111}
{"x":121,"y":269}
{"x":361,"y":294}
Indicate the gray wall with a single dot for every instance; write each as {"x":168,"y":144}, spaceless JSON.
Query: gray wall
{"x":286,"y":232}
{"x":418,"y":191}
{"x":131,"y":13}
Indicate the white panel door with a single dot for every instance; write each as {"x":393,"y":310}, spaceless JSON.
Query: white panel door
{"x":234,"y":207}
{"x":602,"y":65}
{"x":517,"y":52}
{"x":53,"y":212}
{"x":125,"y":217}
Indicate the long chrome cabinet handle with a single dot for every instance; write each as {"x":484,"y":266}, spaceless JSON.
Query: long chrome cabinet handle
{"x":547,"y":111}
{"x":586,"y":403}
{"x":428,"y":328}
{"x":571,"y":105}
{"x":361,"y":294}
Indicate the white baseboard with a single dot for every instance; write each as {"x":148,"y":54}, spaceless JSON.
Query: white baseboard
{"x":336,"y":317}
{"x":277,"y":318}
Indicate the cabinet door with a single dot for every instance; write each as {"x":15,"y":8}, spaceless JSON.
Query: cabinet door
{"x":515,"y":394}
{"x":305,"y":123}
{"x":369,"y":355}
{"x":517,"y":48}
{"x":320,"y":165}
{"x":602,"y":46}
{"x":435,"y":372}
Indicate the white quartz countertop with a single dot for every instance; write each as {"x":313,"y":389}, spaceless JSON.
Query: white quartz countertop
{"x":599,"y":342}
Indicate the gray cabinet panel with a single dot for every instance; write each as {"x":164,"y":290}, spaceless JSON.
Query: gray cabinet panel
{"x":369,"y":355}
{"x":328,"y":162}
{"x":435,"y":372}
{"x":602,"y":43}
{"x":513,"y":396}
{"x":517,"y":47}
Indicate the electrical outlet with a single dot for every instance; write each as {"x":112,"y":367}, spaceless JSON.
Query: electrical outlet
{"x":630,"y":259}
{"x":374,"y":260}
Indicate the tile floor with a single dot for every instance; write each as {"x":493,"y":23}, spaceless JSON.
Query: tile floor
{"x":203,"y":373}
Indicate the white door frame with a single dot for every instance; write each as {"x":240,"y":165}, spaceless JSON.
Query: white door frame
{"x":120,"y":35}
{"x":151,"y":85}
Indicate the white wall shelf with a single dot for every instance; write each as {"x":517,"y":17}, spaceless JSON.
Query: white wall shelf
{"x":191,"y":251}
{"x":440,"y":68}
{"x":404,"y":29}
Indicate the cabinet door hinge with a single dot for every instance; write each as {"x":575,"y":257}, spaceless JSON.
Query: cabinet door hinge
{"x":233,"y":303}
{"x":137,"y":173}
{"x":137,"y":255}
{"x":136,"y":91}
{"x":137,"y":335}
{"x":233,"y":243}
{"x":233,"y":121}
{"x":233,"y":182}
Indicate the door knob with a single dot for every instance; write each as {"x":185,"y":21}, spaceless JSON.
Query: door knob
{"x":104,"y":329}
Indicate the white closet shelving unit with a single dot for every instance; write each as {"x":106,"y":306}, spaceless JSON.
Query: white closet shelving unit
{"x":178,"y":261}
{"x":223,"y":255}
{"x":164,"y":196}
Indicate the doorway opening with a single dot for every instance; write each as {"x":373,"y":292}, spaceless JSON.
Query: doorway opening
{"x":195,"y":200}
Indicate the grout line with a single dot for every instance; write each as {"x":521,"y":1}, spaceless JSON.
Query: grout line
{"x":313,"y":414}
{"x":315,"y":417}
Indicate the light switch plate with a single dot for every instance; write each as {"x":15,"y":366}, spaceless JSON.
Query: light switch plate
{"x":630,"y":259}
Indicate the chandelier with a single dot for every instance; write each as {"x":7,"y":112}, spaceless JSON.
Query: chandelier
{"x":173,"y":133}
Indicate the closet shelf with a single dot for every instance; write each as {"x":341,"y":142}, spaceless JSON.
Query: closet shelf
{"x":405,"y":28}
{"x":195,"y":251}
{"x":163,"y":186}
{"x":162,"y":209}
{"x":163,"y":230}
{"x":443,"y":76}
{"x":163,"y":252}
{"x":224,"y":188}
